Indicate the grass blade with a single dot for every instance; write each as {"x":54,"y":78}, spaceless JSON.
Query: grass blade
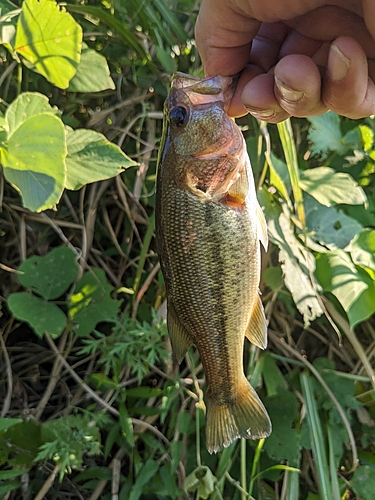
{"x":317,"y":438}
{"x":287,"y":141}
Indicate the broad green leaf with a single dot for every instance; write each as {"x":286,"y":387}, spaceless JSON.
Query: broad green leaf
{"x":19,"y":443}
{"x":50,"y":39}
{"x":5,"y":423}
{"x":91,"y":157}
{"x":330,"y":187}
{"x":363,"y":482}
{"x":10,"y":474}
{"x":351,"y":285}
{"x":362,"y":249}
{"x":42,"y":316}
{"x":283,"y":443}
{"x":34,"y":161}
{"x":328,"y":226}
{"x":325,"y":135}
{"x":51,"y":275}
{"x":91,"y":302}
{"x":83,"y":80}
{"x":297,"y":264}
{"x":26,"y":105}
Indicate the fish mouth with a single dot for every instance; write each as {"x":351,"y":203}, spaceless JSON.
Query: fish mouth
{"x":205,"y":90}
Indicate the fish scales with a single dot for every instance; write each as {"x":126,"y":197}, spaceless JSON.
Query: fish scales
{"x":208,"y":229}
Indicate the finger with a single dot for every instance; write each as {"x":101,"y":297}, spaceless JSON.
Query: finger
{"x":223,"y":36}
{"x":236,"y":108}
{"x":267,"y":43}
{"x":298,"y":86}
{"x":259,"y":99}
{"x":347,"y":88}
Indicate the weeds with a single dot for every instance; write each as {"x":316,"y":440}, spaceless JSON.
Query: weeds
{"x":96,"y":408}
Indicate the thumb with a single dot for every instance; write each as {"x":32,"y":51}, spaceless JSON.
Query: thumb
{"x":223,"y":36}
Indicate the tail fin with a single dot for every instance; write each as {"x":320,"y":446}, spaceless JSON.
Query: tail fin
{"x":246,"y":417}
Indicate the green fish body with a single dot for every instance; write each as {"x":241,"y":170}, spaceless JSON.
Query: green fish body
{"x":208,"y":228}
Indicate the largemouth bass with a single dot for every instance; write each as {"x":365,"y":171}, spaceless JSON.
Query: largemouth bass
{"x":208,"y":228}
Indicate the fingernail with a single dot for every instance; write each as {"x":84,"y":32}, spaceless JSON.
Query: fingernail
{"x":338,"y":64}
{"x":262,"y":114}
{"x":288,"y":94}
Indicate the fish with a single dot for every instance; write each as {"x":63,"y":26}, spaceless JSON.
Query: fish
{"x":208,"y":225}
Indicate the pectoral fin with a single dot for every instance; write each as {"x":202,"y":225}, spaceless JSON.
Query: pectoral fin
{"x":237,"y":192}
{"x":256,"y":330}
{"x":262,"y":227}
{"x":179,"y":339}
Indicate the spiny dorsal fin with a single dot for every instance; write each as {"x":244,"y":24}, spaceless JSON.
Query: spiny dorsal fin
{"x":256,"y":330}
{"x":179,"y":339}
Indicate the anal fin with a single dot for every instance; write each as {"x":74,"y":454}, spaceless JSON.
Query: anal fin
{"x":256,"y":330}
{"x":179,"y":338}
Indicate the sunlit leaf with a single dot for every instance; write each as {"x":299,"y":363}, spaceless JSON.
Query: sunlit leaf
{"x":34,"y":161}
{"x":352,"y":286}
{"x":83,"y":80}
{"x":50,"y":39}
{"x":91,"y":302}
{"x":362,"y":249}
{"x":297,"y":264}
{"x":330,"y":187}
{"x":325,"y":135}
{"x":91,"y":157}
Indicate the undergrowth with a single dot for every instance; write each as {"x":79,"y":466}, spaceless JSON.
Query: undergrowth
{"x":93,"y":405}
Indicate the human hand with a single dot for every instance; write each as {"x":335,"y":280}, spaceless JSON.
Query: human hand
{"x":298,"y":58}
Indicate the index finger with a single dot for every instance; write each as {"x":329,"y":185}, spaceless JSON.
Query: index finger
{"x":224,"y":35}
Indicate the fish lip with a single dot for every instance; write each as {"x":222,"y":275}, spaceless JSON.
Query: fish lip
{"x":205,"y":90}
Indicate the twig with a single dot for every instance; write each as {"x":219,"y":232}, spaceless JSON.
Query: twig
{"x":53,"y":378}
{"x":48,"y":484}
{"x":8,"y":397}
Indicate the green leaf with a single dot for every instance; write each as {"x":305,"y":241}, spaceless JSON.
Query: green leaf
{"x":325,"y":135}
{"x":362,"y":249}
{"x":352,"y":286}
{"x":50,"y":39}
{"x":284,"y":442}
{"x":19,"y":443}
{"x":91,"y":157}
{"x":5,"y":423}
{"x":10,"y":474}
{"x":126,"y":425}
{"x":6,"y":488}
{"x":26,"y":105}
{"x":330,"y":187}
{"x":51,"y":275}
{"x":42,"y":316}
{"x":91,"y":302}
{"x":8,"y":19}
{"x":83,"y":80}
{"x":166,"y":60}
{"x":363,"y":482}
{"x":34,"y":161}
{"x":329,"y":226}
{"x":146,"y":473}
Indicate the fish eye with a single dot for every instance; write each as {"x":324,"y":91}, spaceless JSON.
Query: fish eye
{"x":179,"y":116}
